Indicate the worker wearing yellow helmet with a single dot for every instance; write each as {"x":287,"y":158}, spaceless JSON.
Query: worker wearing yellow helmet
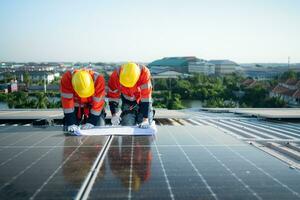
{"x":136,"y":166}
{"x":82,"y":96}
{"x":131,"y":83}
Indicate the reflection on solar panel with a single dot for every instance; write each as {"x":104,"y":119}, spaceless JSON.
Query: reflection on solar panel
{"x":38,"y":163}
{"x":182,"y":162}
{"x":189,"y":163}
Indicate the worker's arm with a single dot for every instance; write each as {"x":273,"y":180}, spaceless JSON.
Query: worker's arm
{"x":67,"y":98}
{"x":146,"y":92}
{"x":98,"y":99}
{"x":113,"y":92}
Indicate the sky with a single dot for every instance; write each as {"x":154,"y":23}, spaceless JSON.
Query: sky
{"x":141,"y":30}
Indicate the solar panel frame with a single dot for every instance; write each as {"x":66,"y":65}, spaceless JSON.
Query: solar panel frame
{"x":172,"y":155}
{"x":39,"y":161}
{"x":187,"y":162}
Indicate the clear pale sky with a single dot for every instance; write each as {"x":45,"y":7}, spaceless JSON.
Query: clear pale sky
{"x":141,"y":30}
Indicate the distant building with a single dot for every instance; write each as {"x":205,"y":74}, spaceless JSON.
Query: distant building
{"x":48,"y":76}
{"x":248,"y":83}
{"x":262,"y":73}
{"x":167,"y":74}
{"x":37,"y":72}
{"x":2,"y":76}
{"x":22,"y":87}
{"x":289,"y":91}
{"x":179,"y":64}
{"x":9,"y":87}
{"x":38,"y":88}
{"x":201,"y":66}
{"x":13,"y":87}
{"x":3,"y":88}
{"x":223,"y":67}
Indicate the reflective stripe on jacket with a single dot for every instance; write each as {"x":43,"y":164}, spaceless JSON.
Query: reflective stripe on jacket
{"x":70,"y":99}
{"x":141,"y":92}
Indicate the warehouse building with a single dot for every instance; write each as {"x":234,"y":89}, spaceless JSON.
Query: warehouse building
{"x":201,"y":66}
{"x":178,"y":64}
{"x":193,"y":64}
{"x":223,"y":67}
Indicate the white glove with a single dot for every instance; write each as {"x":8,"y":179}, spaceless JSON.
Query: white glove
{"x":115,"y":120}
{"x":87,"y":126}
{"x":145,"y":124}
{"x":73,"y":128}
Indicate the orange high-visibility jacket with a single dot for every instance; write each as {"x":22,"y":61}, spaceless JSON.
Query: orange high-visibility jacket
{"x":141,"y":92}
{"x":92,"y":105}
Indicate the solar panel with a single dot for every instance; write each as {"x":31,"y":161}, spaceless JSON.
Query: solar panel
{"x":192,"y":163}
{"x":43,"y":163}
{"x":180,"y":162}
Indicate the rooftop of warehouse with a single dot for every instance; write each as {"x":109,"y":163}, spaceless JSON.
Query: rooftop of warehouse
{"x":174,"y":61}
{"x":222,"y":62}
{"x":196,"y":154}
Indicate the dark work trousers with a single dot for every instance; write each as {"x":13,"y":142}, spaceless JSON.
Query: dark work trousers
{"x":131,"y":115}
{"x":83,"y":119}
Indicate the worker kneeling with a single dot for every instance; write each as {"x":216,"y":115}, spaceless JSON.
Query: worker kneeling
{"x":82,"y":96}
{"x":132,"y":84}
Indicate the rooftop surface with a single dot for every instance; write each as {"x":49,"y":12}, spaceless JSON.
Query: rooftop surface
{"x":272,"y":113}
{"x":222,"y":62}
{"x":173,"y":61}
{"x":36,"y":114}
{"x":202,"y":155}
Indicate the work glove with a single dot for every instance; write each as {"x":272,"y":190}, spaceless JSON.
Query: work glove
{"x":115,"y":120}
{"x":145,"y":124}
{"x":87,"y":126}
{"x":73,"y":128}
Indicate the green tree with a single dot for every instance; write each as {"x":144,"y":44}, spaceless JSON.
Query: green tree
{"x":18,"y":100}
{"x":3,"y":97}
{"x":275,"y":102}
{"x":175,"y":102}
{"x":27,"y":79}
{"x":255,"y":97}
{"x":161,"y":84}
{"x":215,"y":103}
{"x":289,"y":75}
{"x":42,"y":100}
{"x":8,"y":77}
{"x":183,"y":88}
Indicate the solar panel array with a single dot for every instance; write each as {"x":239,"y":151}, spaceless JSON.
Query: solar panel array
{"x":181,"y":162}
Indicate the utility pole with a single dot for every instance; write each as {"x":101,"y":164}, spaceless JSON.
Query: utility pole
{"x":288,"y":63}
{"x":170,"y":88}
{"x":170,"y":91}
{"x":45,"y":85}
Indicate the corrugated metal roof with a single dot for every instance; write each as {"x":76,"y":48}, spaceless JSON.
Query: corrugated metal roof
{"x":222,"y":62}
{"x":174,"y":61}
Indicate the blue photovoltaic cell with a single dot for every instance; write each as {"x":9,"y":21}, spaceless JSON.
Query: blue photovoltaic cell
{"x":44,"y":163}
{"x":182,"y":162}
{"x":192,"y":163}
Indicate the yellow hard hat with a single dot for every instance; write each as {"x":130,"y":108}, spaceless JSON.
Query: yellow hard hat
{"x":129,"y":75}
{"x":136,"y":182}
{"x":83,"y":84}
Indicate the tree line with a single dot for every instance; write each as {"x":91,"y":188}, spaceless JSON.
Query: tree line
{"x":22,"y":99}
{"x":213,"y":91}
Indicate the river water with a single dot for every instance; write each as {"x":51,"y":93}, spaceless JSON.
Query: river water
{"x":192,"y":103}
{"x":3,"y":105}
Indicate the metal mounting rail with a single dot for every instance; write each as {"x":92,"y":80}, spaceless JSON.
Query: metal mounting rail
{"x":89,"y":181}
{"x":271,"y":140}
{"x":291,"y":163}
